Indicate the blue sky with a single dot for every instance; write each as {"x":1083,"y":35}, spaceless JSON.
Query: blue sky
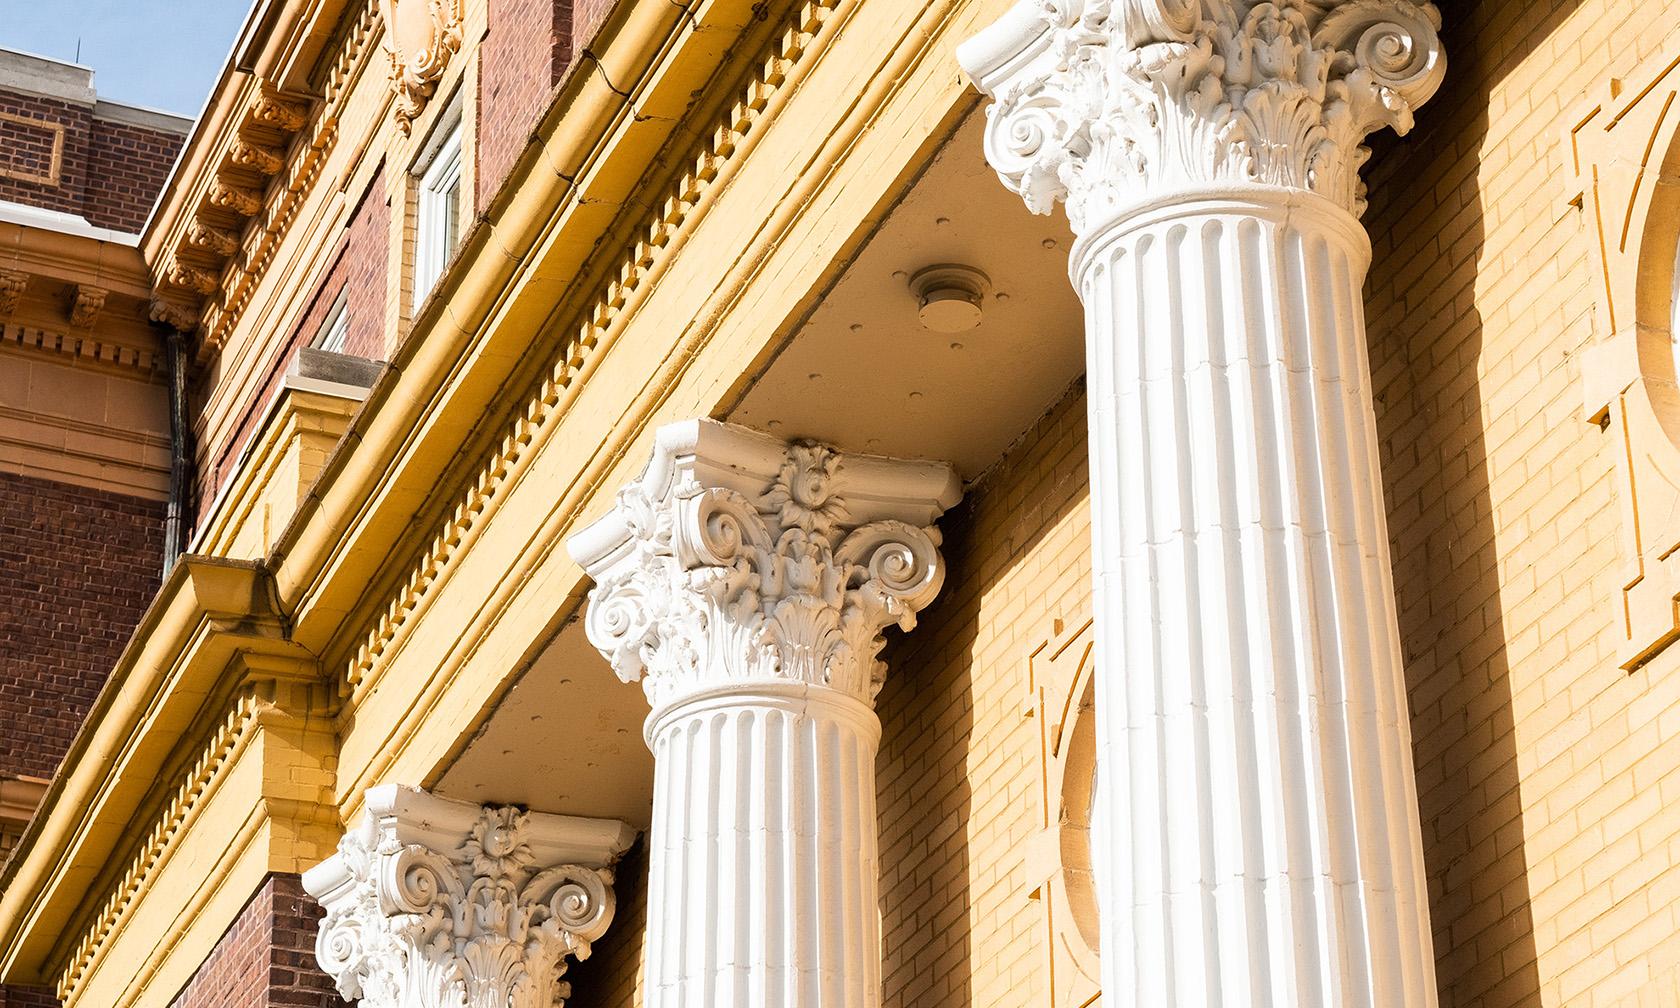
{"x":163,"y":54}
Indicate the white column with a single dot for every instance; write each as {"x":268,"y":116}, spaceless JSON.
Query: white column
{"x":437,"y":903}
{"x":1262,"y":843}
{"x":746,"y":583}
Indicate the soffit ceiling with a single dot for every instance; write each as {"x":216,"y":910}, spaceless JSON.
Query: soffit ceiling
{"x":864,"y":374}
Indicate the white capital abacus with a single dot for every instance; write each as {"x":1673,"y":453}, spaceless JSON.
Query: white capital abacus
{"x":437,"y":903}
{"x":1262,"y":844}
{"x":746,"y":582}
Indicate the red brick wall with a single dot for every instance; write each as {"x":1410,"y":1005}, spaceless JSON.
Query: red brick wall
{"x":21,"y":146}
{"x":267,"y":958}
{"x":530,"y":46}
{"x":367,"y":270}
{"x":524,"y":54}
{"x":26,"y":997}
{"x":127,"y":167}
{"x":362,"y":264}
{"x":77,"y":569}
{"x":109,"y":172}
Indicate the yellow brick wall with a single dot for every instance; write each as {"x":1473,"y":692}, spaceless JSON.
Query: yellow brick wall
{"x":959,"y":768}
{"x":1549,"y":779}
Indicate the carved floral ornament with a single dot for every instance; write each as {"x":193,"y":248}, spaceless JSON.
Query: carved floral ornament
{"x":788,"y":568}
{"x":1106,"y":103}
{"x":433,"y":903}
{"x":420,"y":38}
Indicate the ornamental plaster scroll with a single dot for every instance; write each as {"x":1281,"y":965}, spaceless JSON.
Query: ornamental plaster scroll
{"x":420,"y":38}
{"x":436,"y":903}
{"x":12,"y":286}
{"x":86,"y":301}
{"x":1104,"y":104}
{"x":740,"y":558}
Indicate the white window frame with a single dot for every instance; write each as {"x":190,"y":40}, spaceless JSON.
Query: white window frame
{"x":335,"y":331}
{"x":437,"y":224}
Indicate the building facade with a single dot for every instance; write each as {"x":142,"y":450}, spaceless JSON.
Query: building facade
{"x":845,"y":503}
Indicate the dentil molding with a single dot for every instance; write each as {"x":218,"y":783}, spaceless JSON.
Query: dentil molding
{"x":1106,"y":103}
{"x":738,"y":557}
{"x":436,"y":903}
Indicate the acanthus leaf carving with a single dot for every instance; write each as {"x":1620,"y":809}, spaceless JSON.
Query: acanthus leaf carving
{"x":486,"y":921}
{"x":12,"y":285}
{"x":258,"y":157}
{"x":209,"y":238}
{"x":278,"y":112}
{"x":164,"y":311}
{"x":179,"y":274}
{"x":717,"y":585}
{"x":86,"y":301}
{"x":242,"y":201}
{"x":1103,"y":104}
{"x":420,"y":38}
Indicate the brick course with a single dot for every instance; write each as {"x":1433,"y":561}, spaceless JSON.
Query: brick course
{"x":360,"y":272}
{"x":77,"y":569}
{"x":26,"y":997}
{"x":109,"y":172}
{"x":267,"y":957}
{"x":530,"y":46}
{"x":1547,"y":776}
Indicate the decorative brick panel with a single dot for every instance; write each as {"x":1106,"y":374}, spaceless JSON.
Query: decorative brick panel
{"x":266,"y":959}
{"x":31,"y":129}
{"x":1546,"y":774}
{"x":56,"y":155}
{"x":77,"y":569}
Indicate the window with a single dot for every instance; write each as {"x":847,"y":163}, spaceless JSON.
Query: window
{"x":336,"y":329}
{"x":438,"y":216}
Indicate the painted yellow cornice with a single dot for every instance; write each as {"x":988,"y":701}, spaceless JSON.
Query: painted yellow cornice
{"x":207,"y":614}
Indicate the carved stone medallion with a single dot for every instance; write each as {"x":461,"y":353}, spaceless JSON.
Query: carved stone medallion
{"x":420,"y":37}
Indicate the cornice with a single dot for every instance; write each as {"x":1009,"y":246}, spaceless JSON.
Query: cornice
{"x":255,"y":156}
{"x":206,"y":773}
{"x":720,"y":147}
{"x":206,"y":616}
{"x":69,"y":258}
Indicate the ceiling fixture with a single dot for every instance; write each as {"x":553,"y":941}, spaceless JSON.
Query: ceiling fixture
{"x":951,"y":296}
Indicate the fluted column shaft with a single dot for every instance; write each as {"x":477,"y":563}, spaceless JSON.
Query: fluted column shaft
{"x":1263,"y":842}
{"x":1258,"y":840}
{"x":764,"y":858}
{"x":746,"y":582}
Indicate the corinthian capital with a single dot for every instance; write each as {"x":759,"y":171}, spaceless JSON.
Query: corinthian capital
{"x":1106,"y":104}
{"x":740,"y":558}
{"x":434,"y":903}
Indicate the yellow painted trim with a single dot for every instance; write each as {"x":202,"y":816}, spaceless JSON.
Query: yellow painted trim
{"x":722,"y":146}
{"x":207,"y":613}
{"x":299,"y":421}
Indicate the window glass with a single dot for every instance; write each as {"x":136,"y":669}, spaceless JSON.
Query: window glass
{"x":438,"y":223}
{"x":336,"y":329}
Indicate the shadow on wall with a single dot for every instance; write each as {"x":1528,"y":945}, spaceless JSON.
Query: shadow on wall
{"x":958,"y":767}
{"x":1426,"y":342}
